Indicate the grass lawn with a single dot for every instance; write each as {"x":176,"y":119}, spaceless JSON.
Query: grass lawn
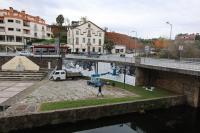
{"x":141,"y":92}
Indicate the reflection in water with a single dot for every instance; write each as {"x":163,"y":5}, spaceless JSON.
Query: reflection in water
{"x":120,"y":128}
{"x":173,"y":120}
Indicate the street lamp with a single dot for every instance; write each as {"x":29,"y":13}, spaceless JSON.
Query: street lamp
{"x":170,"y":35}
{"x":170,"y":29}
{"x":135,"y":41}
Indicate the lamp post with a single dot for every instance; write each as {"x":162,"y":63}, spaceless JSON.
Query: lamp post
{"x":170,"y":35}
{"x":135,"y":42}
{"x":170,"y":29}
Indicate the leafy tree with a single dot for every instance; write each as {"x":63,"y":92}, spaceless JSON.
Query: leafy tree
{"x":197,"y":37}
{"x":60,"y":20}
{"x":108,"y":45}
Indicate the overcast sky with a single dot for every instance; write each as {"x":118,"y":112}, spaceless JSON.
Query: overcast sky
{"x":147,"y":17}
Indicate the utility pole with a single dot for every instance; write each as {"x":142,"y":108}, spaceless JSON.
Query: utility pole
{"x":135,"y":42}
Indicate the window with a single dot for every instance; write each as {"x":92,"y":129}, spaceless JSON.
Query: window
{"x":77,"y":50}
{"x":10,"y":20}
{"x":35,"y":34}
{"x":1,"y":21}
{"x":48,"y":35}
{"x":89,"y":33}
{"x":99,"y":42}
{"x":93,"y":41}
{"x":18,"y":39}
{"x":83,"y":50}
{"x":42,"y":28}
{"x":62,"y":72}
{"x":100,"y":34}
{"x":83,"y":40}
{"x":2,"y":38}
{"x":100,"y":50}
{"x":2,"y":29}
{"x":10,"y":38}
{"x":26,"y":24}
{"x":35,"y":27}
{"x":93,"y":49}
{"x":89,"y":25}
{"x":19,"y":30}
{"x":18,"y":21}
{"x":89,"y":41}
{"x":77,"y":32}
{"x":57,"y":73}
{"x":11,"y":29}
{"x":77,"y":41}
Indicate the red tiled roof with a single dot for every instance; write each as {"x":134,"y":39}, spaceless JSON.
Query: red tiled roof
{"x":122,"y":39}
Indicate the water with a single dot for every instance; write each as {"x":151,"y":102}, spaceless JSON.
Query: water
{"x":173,"y":120}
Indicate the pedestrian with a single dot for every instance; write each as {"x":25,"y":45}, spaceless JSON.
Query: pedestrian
{"x":99,"y":91}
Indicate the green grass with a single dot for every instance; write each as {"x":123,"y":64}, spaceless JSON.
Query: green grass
{"x":139,"y":91}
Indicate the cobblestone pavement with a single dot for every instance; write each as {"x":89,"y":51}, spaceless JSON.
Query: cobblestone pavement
{"x":51,"y":91}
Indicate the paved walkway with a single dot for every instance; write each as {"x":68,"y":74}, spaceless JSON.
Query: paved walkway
{"x":51,"y":91}
{"x":8,"y":89}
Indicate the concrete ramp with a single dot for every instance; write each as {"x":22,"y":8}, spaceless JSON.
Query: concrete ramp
{"x":20,"y":63}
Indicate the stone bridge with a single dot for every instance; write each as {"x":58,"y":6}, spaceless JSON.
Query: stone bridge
{"x":181,"y":77}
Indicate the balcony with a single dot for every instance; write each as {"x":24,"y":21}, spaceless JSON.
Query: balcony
{"x":26,"y":32}
{"x":26,"y":24}
{"x":1,"y":21}
{"x":2,"y":29}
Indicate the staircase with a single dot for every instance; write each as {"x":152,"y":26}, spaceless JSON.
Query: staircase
{"x":22,"y":76}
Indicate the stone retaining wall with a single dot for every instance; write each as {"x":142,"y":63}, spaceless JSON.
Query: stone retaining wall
{"x":84,"y":113}
{"x":182,"y":84}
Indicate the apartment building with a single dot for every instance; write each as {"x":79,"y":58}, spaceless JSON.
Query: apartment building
{"x":85,"y":36}
{"x":18,"y":28}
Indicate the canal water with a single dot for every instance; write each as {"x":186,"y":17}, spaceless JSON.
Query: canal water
{"x":174,"y":120}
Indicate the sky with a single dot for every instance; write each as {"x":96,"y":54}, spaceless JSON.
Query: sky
{"x":147,"y":17}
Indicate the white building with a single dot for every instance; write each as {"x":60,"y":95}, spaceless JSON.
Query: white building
{"x":85,"y":36}
{"x":18,"y":28}
{"x":119,"y":49}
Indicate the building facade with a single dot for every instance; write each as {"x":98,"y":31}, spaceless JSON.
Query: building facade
{"x":85,"y":36}
{"x":119,"y":49}
{"x":18,"y":28}
{"x":186,"y":37}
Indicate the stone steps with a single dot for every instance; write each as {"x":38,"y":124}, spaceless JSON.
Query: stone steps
{"x":21,"y":76}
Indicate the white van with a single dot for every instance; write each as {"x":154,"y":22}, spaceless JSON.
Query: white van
{"x":59,"y":75}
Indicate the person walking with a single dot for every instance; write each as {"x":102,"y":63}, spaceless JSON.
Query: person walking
{"x":100,"y":91}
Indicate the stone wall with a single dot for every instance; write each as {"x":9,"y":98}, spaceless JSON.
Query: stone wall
{"x":85,"y":113}
{"x":179,"y":83}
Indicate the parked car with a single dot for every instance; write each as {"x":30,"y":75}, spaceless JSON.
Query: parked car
{"x":25,"y":53}
{"x":93,"y":55}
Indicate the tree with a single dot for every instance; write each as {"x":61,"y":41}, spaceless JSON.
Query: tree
{"x":197,"y":37}
{"x":60,"y":20}
{"x":108,"y":45}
